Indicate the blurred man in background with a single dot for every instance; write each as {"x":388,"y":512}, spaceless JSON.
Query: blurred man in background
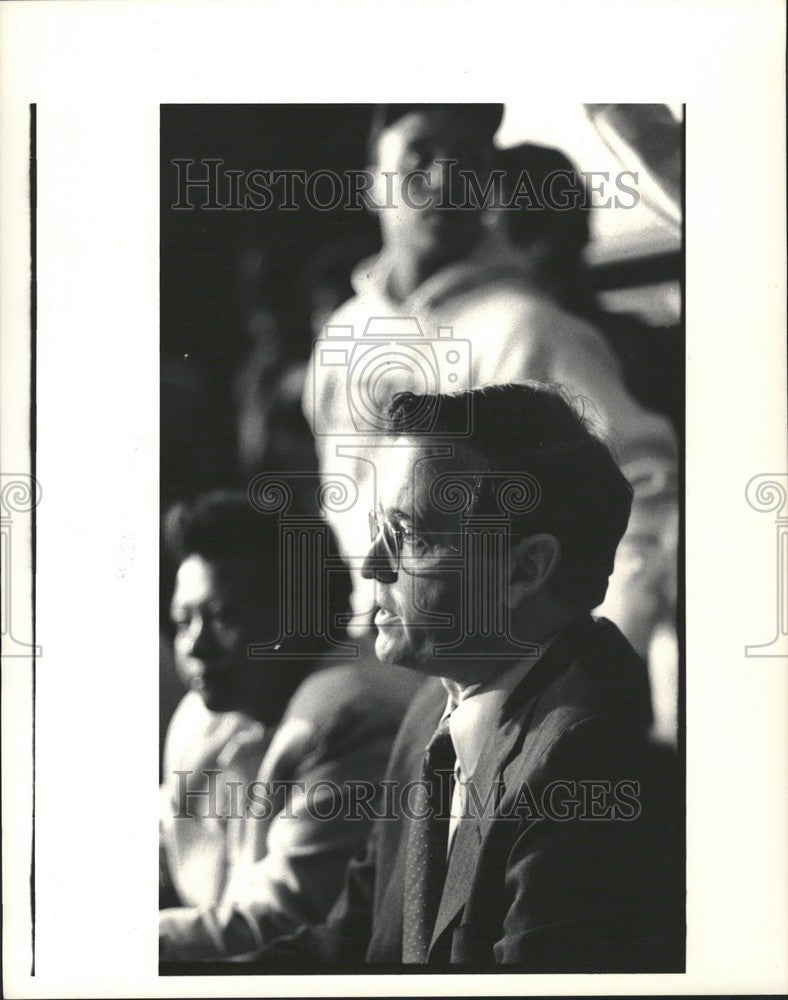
{"x":241,"y":861}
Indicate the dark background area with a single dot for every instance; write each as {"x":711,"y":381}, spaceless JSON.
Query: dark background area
{"x":213,"y":263}
{"x":219,"y":269}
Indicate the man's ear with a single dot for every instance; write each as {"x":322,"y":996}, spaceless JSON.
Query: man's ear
{"x":533,"y":561}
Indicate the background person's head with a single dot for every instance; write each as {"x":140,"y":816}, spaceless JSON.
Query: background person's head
{"x":415,"y":137}
{"x":565,"y":523}
{"x":226,"y":598}
{"x":552,"y":224}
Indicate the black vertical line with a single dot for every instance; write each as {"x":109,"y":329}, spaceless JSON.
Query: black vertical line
{"x":681,"y":608}
{"x":33,"y":493}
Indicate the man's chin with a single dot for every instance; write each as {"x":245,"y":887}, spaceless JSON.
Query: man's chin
{"x":386,"y":647}
{"x":389,"y":651}
{"x":382,"y":647}
{"x":445,"y":237}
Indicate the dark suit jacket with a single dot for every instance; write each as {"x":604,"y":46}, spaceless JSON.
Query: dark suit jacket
{"x":574,"y":866}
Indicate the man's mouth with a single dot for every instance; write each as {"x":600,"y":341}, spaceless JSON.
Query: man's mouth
{"x":385,"y":617}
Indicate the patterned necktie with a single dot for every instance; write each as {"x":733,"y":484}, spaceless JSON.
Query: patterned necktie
{"x":425,"y":864}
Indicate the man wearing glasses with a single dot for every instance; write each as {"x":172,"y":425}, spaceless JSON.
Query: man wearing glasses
{"x":447,"y":264}
{"x":529,"y":823}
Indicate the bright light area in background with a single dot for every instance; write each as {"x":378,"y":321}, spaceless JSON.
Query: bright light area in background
{"x":616,"y":232}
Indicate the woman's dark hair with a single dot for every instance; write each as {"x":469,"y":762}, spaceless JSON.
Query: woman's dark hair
{"x":223,"y":525}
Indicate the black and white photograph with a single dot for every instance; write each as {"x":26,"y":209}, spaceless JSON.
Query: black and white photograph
{"x":421,"y":443}
{"x":393,"y":493}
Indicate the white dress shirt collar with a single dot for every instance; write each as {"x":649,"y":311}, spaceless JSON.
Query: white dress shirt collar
{"x":475,"y":716}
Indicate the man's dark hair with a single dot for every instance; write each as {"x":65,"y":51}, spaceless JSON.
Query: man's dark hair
{"x":479,"y":121}
{"x":533,"y":430}
{"x":224,"y":525}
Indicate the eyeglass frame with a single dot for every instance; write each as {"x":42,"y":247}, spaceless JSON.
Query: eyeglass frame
{"x":377,"y":529}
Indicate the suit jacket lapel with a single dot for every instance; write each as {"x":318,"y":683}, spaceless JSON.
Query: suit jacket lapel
{"x":490,"y":772}
{"x":471,"y":832}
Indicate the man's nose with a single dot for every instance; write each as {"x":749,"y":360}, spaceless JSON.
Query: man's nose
{"x":378,"y":564}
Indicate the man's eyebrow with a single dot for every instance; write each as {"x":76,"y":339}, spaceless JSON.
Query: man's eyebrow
{"x":399,"y":514}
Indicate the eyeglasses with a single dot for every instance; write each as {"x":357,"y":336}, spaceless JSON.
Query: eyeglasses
{"x":391,"y":537}
{"x":395,"y":538}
